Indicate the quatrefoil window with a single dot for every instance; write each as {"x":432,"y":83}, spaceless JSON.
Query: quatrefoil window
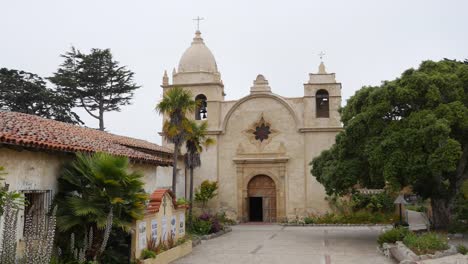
{"x":261,"y":132}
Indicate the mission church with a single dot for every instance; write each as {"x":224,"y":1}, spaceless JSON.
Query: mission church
{"x":264,"y":141}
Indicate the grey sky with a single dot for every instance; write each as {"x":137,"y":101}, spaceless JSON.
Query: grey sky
{"x":365,"y":41}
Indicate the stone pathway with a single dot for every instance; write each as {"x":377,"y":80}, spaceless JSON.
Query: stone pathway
{"x":416,"y":220}
{"x":291,"y":245}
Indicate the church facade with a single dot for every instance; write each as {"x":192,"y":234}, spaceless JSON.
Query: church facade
{"x":264,"y":141}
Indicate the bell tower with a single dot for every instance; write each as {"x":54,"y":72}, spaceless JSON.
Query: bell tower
{"x":198,"y":72}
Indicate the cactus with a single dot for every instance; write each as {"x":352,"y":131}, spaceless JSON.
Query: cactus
{"x":8,"y":249}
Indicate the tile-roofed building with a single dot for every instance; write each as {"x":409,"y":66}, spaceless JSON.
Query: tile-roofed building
{"x":35,"y":132}
{"x":33,"y":151}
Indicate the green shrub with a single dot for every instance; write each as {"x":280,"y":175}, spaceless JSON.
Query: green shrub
{"x":360,"y":217}
{"x":200,"y":227}
{"x":426,"y":243}
{"x":309,"y":220}
{"x":223,"y":219}
{"x":147,"y":254}
{"x":380,"y":202}
{"x":182,"y":201}
{"x":393,"y":235}
{"x":206,"y":192}
{"x":462,"y":249}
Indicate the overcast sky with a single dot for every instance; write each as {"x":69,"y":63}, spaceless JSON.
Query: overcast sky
{"x":365,"y":42}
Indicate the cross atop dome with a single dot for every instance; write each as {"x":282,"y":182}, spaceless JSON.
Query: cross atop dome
{"x":198,"y":19}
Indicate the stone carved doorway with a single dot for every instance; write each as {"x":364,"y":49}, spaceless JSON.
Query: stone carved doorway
{"x":264,"y":188}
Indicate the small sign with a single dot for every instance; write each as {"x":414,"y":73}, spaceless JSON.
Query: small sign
{"x":173,"y":226}
{"x":164,"y":228}
{"x":142,"y":235}
{"x":182,"y":224}
{"x":154,"y":229}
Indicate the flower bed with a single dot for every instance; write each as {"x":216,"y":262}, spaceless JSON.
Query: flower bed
{"x":171,"y":254}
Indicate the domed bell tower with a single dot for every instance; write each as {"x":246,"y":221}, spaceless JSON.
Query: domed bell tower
{"x":198,"y":73}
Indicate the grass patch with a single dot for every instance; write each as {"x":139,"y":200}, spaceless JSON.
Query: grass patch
{"x":393,"y":235}
{"x":427,"y":243}
{"x":462,"y":249}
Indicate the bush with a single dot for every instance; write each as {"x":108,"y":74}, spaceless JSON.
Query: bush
{"x":360,"y":217}
{"x":427,"y":243}
{"x":309,"y":220}
{"x":182,"y":201}
{"x":393,"y":235}
{"x":216,"y":225}
{"x":380,"y":202}
{"x":206,"y":192}
{"x":200,"y":227}
{"x":224,"y":220}
{"x":147,"y":254}
{"x":462,"y":249}
{"x":458,"y":226}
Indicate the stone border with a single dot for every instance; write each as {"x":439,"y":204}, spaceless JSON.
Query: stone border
{"x":197,"y":240}
{"x":403,"y":254}
{"x":300,"y":224}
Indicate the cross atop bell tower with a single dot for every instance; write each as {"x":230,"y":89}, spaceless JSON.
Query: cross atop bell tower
{"x":198,"y":19}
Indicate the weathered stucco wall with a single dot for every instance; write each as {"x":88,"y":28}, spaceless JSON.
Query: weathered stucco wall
{"x":39,"y":171}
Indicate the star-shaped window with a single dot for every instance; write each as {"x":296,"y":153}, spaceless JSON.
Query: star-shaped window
{"x":261,"y":132}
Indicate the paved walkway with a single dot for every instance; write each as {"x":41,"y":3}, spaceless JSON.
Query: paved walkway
{"x":416,"y":220}
{"x":291,"y":245}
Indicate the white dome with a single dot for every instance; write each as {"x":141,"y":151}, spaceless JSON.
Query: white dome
{"x":197,"y":58}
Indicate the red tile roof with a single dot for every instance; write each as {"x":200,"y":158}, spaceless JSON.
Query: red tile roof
{"x":156,"y":199}
{"x":40,"y":133}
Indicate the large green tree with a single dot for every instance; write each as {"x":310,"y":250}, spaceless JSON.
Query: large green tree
{"x":196,"y":140}
{"x":28,"y":93}
{"x":176,"y":103}
{"x":90,"y":189}
{"x":96,"y":81}
{"x":412,"y":131}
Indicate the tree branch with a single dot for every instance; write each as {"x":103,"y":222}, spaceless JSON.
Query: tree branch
{"x":89,"y":112}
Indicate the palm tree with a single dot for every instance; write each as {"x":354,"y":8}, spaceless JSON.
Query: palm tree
{"x":176,"y":103}
{"x":97,"y":192}
{"x":195,"y":141}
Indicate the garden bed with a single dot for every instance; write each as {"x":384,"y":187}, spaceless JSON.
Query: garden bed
{"x":404,"y":254}
{"x":409,"y":247}
{"x":171,"y":254}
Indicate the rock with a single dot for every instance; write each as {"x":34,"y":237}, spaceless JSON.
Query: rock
{"x":400,"y":252}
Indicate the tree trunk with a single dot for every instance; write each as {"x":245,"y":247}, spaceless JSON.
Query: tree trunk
{"x":441,"y":213}
{"x":174,"y":168}
{"x":191,"y":193}
{"x":101,"y":119}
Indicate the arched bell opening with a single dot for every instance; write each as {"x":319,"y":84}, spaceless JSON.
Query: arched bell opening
{"x":201,"y":112}
{"x":322,"y":104}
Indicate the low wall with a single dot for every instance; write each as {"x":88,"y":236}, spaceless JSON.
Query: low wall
{"x":171,"y":254}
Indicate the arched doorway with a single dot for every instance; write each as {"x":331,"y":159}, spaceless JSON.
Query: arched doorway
{"x":261,"y":195}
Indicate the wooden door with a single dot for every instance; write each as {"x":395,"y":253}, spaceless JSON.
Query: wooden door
{"x":263,"y":186}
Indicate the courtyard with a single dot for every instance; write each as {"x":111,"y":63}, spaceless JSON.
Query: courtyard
{"x":281,"y":244}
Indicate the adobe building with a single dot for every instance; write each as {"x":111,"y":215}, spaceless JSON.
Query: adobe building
{"x":264,"y":141}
